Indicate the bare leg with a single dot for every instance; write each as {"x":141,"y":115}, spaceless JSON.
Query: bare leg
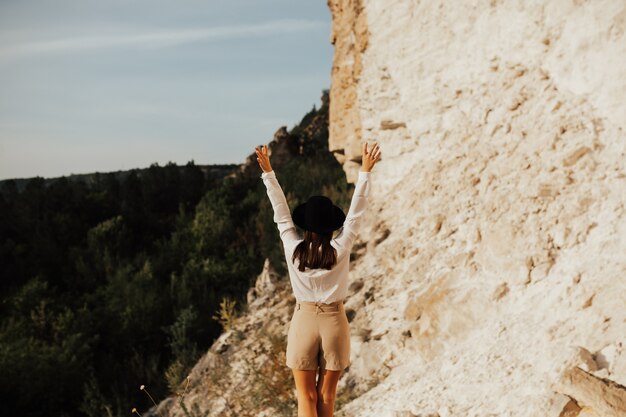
{"x":326,"y":392}
{"x":307,"y":392}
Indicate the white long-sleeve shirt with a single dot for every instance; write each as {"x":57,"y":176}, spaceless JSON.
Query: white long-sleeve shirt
{"x":321,"y":285}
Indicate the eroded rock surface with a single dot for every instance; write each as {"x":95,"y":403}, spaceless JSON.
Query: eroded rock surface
{"x":502,"y":186}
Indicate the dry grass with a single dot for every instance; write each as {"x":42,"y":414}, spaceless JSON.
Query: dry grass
{"x":227,"y":316}
{"x":254,"y":380}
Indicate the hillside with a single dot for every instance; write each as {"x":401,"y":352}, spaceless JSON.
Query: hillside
{"x":112,"y":281}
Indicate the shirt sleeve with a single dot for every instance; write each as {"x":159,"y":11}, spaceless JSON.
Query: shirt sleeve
{"x":282,"y":215}
{"x":358,"y":207}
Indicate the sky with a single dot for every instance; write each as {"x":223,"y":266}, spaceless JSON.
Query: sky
{"x":97,"y":86}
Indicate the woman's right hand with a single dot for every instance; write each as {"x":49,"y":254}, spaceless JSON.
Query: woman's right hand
{"x":369,"y":157}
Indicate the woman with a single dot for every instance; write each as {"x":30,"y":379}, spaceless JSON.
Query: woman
{"x":319,"y":335}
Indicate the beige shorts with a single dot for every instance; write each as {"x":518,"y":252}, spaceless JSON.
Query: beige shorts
{"x":319,"y":335}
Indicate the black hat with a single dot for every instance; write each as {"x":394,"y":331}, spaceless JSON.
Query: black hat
{"x":318,"y":215}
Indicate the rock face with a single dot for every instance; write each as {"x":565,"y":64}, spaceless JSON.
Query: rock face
{"x":350,"y":37}
{"x":496,"y":240}
{"x":281,"y":148}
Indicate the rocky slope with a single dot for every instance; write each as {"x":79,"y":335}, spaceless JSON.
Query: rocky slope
{"x":494,"y":275}
{"x":496,"y":256}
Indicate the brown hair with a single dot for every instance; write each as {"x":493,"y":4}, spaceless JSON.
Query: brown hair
{"x":315,"y":258}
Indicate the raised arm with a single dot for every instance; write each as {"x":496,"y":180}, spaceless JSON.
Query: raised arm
{"x":282,"y":215}
{"x":359,"y":202}
{"x":358,"y":207}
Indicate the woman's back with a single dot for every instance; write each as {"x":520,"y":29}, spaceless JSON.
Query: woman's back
{"x":319,"y":284}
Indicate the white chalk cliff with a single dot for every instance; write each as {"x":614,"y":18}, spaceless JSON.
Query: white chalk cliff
{"x":491,"y":276}
{"x":496,"y":246}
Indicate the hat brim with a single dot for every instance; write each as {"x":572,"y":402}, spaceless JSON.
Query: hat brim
{"x":338,"y":217}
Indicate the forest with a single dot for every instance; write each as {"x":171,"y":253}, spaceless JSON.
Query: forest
{"x":112,"y":281}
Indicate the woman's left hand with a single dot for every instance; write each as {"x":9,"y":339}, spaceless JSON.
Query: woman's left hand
{"x":263,"y":158}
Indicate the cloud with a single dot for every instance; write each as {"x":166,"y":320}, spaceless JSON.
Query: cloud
{"x":157,"y":39}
